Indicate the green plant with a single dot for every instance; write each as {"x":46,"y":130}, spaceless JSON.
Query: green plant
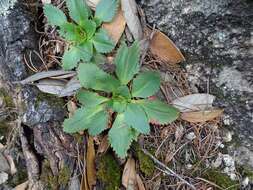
{"x":86,"y":37}
{"x":126,"y":96}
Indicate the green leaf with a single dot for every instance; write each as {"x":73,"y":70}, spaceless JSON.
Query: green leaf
{"x":99,"y":123}
{"x":146,"y":84}
{"x":90,"y":28}
{"x":121,"y":136}
{"x":94,"y":119}
{"x":90,"y":99}
{"x":159,"y":112}
{"x":137,"y":118}
{"x":86,"y":50}
{"x":68,"y":32}
{"x":106,"y":9}
{"x":102,"y":42}
{"x":78,"y":10}
{"x":126,"y":62}
{"x":98,"y":58}
{"x":118,"y":105}
{"x":71,"y":58}
{"x":123,"y":91}
{"x":91,"y":76}
{"x":54,"y":15}
{"x":76,"y":122}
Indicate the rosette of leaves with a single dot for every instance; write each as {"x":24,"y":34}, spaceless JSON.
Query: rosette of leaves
{"x":84,"y":34}
{"x":125,"y":94}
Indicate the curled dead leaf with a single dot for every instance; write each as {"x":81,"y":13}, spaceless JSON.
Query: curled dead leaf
{"x":92,"y":3}
{"x":165,"y":49}
{"x":130,"y":13}
{"x":129,"y":174}
{"x":201,"y":116}
{"x":194,"y":102}
{"x":116,"y":28}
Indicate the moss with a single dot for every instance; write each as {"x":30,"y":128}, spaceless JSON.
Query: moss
{"x":54,"y":182}
{"x":7,"y":98}
{"x":53,"y":100}
{"x":220,"y":179}
{"x":18,"y":178}
{"x":246,"y":172}
{"x":4,"y":130}
{"x":147,"y":165}
{"x":109,"y":172}
{"x":64,"y":176}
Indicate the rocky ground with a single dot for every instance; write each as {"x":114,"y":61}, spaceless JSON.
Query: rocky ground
{"x":216,"y":38}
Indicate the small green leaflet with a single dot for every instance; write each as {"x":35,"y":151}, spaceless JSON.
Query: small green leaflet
{"x":76,"y":122}
{"x":158,"y":112}
{"x":137,"y":118}
{"x":90,"y":99}
{"x":106,"y":9}
{"x":68,"y":31}
{"x":146,"y":84}
{"x":121,"y":136}
{"x":102,"y":42}
{"x":94,"y":119}
{"x":54,"y":15}
{"x":78,"y":10}
{"x":72,"y":56}
{"x":126,"y":62}
{"x":89,"y":27}
{"x":91,"y":76}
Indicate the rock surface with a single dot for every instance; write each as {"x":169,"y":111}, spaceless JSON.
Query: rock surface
{"x":216,"y":38}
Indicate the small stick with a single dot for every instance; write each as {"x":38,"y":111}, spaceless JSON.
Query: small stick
{"x":167,"y":170}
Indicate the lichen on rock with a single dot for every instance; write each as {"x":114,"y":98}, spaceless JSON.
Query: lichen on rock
{"x":6,"y":5}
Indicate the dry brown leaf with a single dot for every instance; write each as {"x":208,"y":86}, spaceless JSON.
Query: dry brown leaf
{"x":104,"y":145}
{"x":165,"y":49}
{"x":129,"y":174}
{"x":116,"y":28}
{"x":90,"y":160}
{"x":201,"y":116}
{"x":130,"y":13}
{"x":140,"y":183}
{"x":22,"y":186}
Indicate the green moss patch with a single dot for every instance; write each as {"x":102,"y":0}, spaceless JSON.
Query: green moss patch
{"x":147,"y":166}
{"x":54,"y":182}
{"x":220,"y":179}
{"x":109,"y":172}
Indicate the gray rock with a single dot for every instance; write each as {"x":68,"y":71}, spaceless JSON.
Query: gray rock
{"x":4,"y":165}
{"x":3,"y":177}
{"x":216,"y":38}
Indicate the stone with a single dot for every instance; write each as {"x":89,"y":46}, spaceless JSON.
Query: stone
{"x":216,"y":39}
{"x":3,"y":177}
{"x":4,"y":165}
